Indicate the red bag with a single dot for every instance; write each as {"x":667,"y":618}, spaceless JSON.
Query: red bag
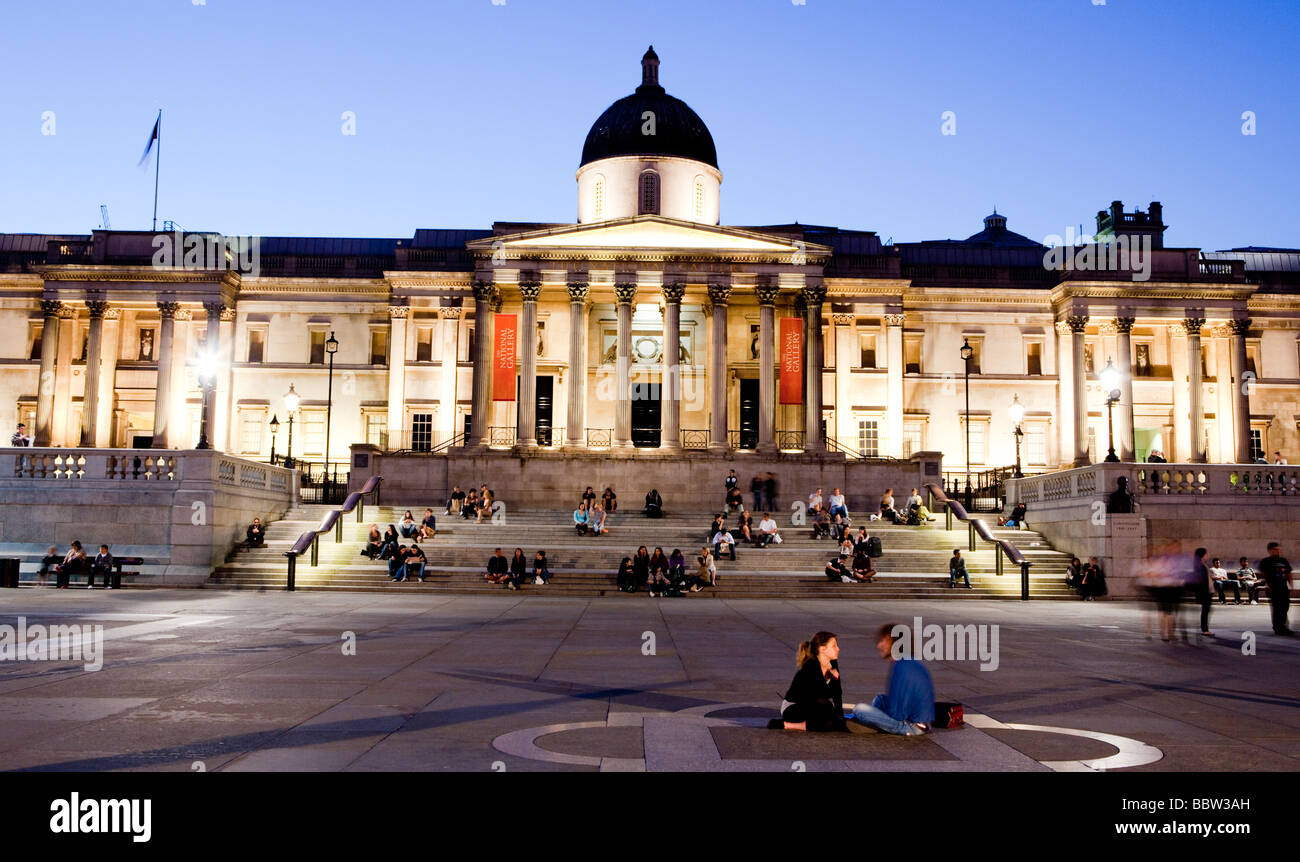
{"x":949,"y":715}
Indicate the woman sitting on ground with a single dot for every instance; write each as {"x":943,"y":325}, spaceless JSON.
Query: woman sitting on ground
{"x":887,"y":506}
{"x":397,"y":564}
{"x":641,"y":566}
{"x":589,"y":497}
{"x":388,"y":545}
{"x":485,"y":506}
{"x":745,"y":527}
{"x":706,"y":571}
{"x":677,"y":568}
{"x":658,"y":582}
{"x":654,"y":504}
{"x":541,"y":574}
{"x":625,"y":579}
{"x":815,"y":700}
{"x":581,"y":519}
{"x":518,"y":569}
{"x":470,"y":506}
{"x":821,"y":523}
{"x":1016,"y":520}
{"x":863,"y":569}
{"x":408,"y":528}
{"x":596,"y":520}
{"x":735,"y":500}
{"x":846,"y":548}
{"x":415,"y":562}
{"x":609,"y":500}
{"x":374,"y":543}
{"x":1074,"y":573}
{"x":839,"y":529}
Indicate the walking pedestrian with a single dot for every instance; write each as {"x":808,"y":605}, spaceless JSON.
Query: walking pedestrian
{"x":1276,"y":570}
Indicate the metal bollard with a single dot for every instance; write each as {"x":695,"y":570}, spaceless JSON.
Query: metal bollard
{"x":970,"y":530}
{"x":338,"y":529}
{"x":361,"y":510}
{"x":293,"y":570}
{"x":1024,"y":581}
{"x":997,"y":556}
{"x":947,"y":517}
{"x":315,"y":550}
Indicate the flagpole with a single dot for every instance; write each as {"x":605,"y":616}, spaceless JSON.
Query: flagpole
{"x":157,"y":162}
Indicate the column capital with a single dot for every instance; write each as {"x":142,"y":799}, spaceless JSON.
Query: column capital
{"x":183,"y":314}
{"x":674,"y":291}
{"x":578,"y":291}
{"x":1240,"y":326}
{"x":1062,"y":328}
{"x":1177,"y":327}
{"x":496,"y":301}
{"x":1107,"y":327}
{"x":228,"y":314}
{"x":112,"y":313}
{"x":399,"y":312}
{"x":214,"y":309}
{"x":895,"y":319}
{"x":1124,"y":324}
{"x":842,"y":319}
{"x":1077,"y":323}
{"x":97,"y":308}
{"x":814,"y":294}
{"x":530,"y":291}
{"x":67,"y":312}
{"x":450,"y":313}
{"x":50,"y":307}
{"x":625,"y":292}
{"x":767,"y":293}
{"x":1194,"y":325}
{"x":719,"y":293}
{"x":483,"y":290}
{"x":168,"y":309}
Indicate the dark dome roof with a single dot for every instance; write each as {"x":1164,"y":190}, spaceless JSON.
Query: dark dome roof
{"x":995,"y":233}
{"x":679,"y":131}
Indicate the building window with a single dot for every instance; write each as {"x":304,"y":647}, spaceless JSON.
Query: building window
{"x":317,"y":347}
{"x":977,"y":345}
{"x":1205,"y":362}
{"x":649,"y":196}
{"x":1036,"y":445}
{"x":378,"y":347}
{"x":1257,"y":448}
{"x":421,"y":432}
{"x":912,"y":354}
{"x":313,"y":432}
{"x":869,"y":437}
{"x":251,"y":423}
{"x":828,"y":347}
{"x":34,"y":337}
{"x":699,"y":199}
{"x":1092,"y":444}
{"x":979,"y":430}
{"x":1142,"y":366}
{"x":867,"y":351}
{"x":1252,"y":357}
{"x":598,"y":199}
{"x":424,"y":344}
{"x":913,"y":438}
{"x":256,"y":344}
{"x":1034,"y":357}
{"x":377,"y":429}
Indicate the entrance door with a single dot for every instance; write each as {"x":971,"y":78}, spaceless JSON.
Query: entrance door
{"x":645,"y":415}
{"x":545,"y":409}
{"x":749,"y":414}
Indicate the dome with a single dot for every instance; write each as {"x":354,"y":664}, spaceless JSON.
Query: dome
{"x":995,"y":233}
{"x":678,"y":131}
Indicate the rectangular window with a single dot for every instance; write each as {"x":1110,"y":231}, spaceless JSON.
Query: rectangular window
{"x":377,"y":429}
{"x":867,"y":350}
{"x":424,"y":344}
{"x":256,"y":344}
{"x":828,"y":347}
{"x":1036,"y":445}
{"x":467,"y":345}
{"x":869,"y":437}
{"x":317,"y":347}
{"x":913,"y":438}
{"x":912,"y":354}
{"x":313,"y":432}
{"x":421,"y":432}
{"x":977,"y":346}
{"x":251,"y":423}
{"x":1256,"y":444}
{"x":37,"y":330}
{"x":978,"y":438}
{"x":378,"y":347}
{"x":1092,"y":444}
{"x":1252,"y":358}
{"x":1034,"y":357}
{"x":1205,"y":362}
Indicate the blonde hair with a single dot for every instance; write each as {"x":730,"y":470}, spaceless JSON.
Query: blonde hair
{"x":812,"y":647}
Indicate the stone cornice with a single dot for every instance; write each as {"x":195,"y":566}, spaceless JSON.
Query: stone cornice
{"x":1152,"y":290}
{"x":148,"y":274}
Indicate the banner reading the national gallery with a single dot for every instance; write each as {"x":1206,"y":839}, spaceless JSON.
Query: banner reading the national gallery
{"x":791,"y":359}
{"x":503,"y":359}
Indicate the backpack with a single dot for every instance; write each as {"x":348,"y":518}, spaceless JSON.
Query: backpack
{"x":873,"y":547}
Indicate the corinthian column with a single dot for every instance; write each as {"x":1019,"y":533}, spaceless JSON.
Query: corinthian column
{"x":162,"y":400}
{"x":212,"y":347}
{"x":1124,"y":365}
{"x":718,"y":296}
{"x":575,"y":423}
{"x":1078,"y":324}
{"x":670,"y":437}
{"x":766,"y":294}
{"x":894,"y":382}
{"x":814,"y":296}
{"x":1196,"y":425}
{"x":94,"y":348}
{"x":625,"y":293}
{"x":45,"y":385}
{"x":1240,"y":391}
{"x":397,"y":315}
{"x":484,"y":293}
{"x":526,"y":417}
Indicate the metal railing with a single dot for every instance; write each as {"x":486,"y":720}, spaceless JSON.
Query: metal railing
{"x":321,"y":483}
{"x":695,"y":439}
{"x":788,"y":441}
{"x":987,"y":489}
{"x":834,"y":445}
{"x":600,"y":438}
{"x":310,"y":540}
{"x":746,"y":439}
{"x":501,"y":436}
{"x":977,"y":527}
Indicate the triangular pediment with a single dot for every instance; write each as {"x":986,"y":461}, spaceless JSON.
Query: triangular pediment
{"x":647,"y":234}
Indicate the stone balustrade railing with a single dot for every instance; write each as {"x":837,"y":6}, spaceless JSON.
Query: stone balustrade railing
{"x":127,"y":467}
{"x":1153,"y":482}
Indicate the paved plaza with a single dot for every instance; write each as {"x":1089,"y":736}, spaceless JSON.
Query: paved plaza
{"x":267,"y":681}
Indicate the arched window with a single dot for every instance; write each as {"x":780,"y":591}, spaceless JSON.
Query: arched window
{"x":699,"y":199}
{"x":598,"y":199}
{"x":649,"y":197}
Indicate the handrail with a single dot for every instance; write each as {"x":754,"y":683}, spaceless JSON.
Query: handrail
{"x":332,"y":520}
{"x":978,"y":527}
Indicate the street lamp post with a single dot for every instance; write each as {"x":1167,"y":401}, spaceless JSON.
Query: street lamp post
{"x":331,"y":347}
{"x":1110,"y":382}
{"x":275,"y":426}
{"x":966,"y":353}
{"x":207,"y":372}
{"x":291,"y":400}
{"x":1017,"y":411}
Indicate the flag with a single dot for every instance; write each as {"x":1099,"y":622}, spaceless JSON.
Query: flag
{"x":148,"y":148}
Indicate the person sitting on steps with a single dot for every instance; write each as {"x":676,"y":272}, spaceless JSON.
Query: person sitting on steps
{"x":497,"y":566}
{"x":957,"y":569}
{"x":256,"y":534}
{"x":654,"y":504}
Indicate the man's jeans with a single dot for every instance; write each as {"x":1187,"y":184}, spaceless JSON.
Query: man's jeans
{"x":841,"y":510}
{"x":876,"y":715}
{"x":954,"y":574}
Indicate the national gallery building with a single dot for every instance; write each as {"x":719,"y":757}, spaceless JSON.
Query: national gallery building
{"x":647,"y":326}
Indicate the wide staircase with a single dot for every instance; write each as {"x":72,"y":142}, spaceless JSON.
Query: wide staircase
{"x":914,"y":565}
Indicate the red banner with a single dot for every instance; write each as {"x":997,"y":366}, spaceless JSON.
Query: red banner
{"x":791,"y":360}
{"x":503,"y":358}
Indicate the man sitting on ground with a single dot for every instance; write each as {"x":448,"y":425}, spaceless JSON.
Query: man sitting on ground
{"x":908,"y":708}
{"x":838,"y":506}
{"x":596,"y":520}
{"x":256,"y":534}
{"x":415,"y":562}
{"x":767,"y":533}
{"x":428,"y":526}
{"x":455,"y":501}
{"x":735,"y":500}
{"x":957,"y":569}
{"x":821,"y":523}
{"x":838,"y":570}
{"x":397,"y":564}
{"x":48,"y":562}
{"x":724,"y":543}
{"x":497,"y":567}
{"x":1016,"y":520}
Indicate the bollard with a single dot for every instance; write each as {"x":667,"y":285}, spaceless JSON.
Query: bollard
{"x":293,"y":570}
{"x":338,"y":529}
{"x":315,"y":550}
{"x":361,"y":510}
{"x":997,"y":556}
{"x":970,"y":530}
{"x":947,"y":516}
{"x":1024,"y":581}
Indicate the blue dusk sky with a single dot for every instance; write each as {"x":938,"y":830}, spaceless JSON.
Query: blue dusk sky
{"x":826,"y":111}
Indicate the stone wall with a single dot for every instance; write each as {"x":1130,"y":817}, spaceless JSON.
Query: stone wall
{"x":1233,"y":511}
{"x":181,"y":511}
{"x":689,"y":481}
